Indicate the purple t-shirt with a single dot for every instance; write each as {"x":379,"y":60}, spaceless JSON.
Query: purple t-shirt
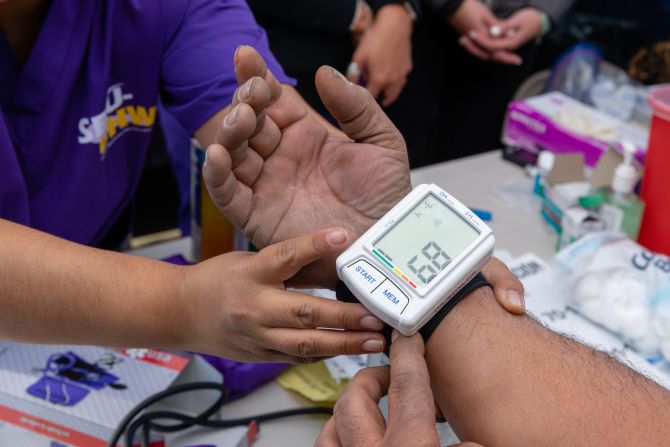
{"x":75,"y":120}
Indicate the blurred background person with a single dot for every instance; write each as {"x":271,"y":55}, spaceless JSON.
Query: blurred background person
{"x":470,"y":56}
{"x":370,"y":41}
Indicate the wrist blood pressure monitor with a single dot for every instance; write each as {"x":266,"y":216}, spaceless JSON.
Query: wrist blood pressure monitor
{"x":415,"y":258}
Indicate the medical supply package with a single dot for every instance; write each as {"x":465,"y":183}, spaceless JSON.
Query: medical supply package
{"x":75,"y":396}
{"x":618,"y":284}
{"x":555,"y":122}
{"x":567,"y":182}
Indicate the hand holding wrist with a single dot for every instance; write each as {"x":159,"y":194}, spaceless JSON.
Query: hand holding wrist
{"x":236,"y":306}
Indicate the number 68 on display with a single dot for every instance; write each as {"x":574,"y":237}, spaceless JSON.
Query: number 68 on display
{"x":416,"y":257}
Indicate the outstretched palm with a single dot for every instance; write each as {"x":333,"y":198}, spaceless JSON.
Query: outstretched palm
{"x":285,"y":174}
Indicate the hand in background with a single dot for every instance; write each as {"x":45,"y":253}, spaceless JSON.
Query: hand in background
{"x":357,"y":420}
{"x":236,"y":306}
{"x":363,"y":19}
{"x":517,"y":30}
{"x":473,"y":21}
{"x":384,"y":54}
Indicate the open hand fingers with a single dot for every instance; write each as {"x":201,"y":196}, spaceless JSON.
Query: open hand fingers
{"x":248,"y":63}
{"x":255,"y":92}
{"x":265,"y":135}
{"x":230,"y":196}
{"x":234,"y":134}
{"x":283,"y":107}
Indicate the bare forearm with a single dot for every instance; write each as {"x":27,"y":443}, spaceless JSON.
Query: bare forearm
{"x":55,"y":291}
{"x":505,"y":380}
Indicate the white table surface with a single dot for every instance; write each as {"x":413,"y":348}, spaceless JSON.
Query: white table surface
{"x":471,"y":180}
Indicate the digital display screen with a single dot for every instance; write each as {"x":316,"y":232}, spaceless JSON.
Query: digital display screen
{"x":426,"y":239}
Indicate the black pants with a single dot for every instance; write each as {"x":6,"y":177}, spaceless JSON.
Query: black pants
{"x":454,"y":104}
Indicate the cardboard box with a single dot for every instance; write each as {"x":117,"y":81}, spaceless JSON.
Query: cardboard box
{"x":567,"y":181}
{"x":75,"y":396}
{"x":560,"y":124}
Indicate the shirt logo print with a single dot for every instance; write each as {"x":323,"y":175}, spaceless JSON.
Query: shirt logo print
{"x":118,"y":117}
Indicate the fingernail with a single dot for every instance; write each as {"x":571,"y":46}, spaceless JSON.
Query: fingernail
{"x":394,"y":335}
{"x":374,"y":345}
{"x":519,"y":62}
{"x":473,"y":35}
{"x":461,"y":41}
{"x":338,"y":75}
{"x":236,"y":56}
{"x":515,"y":298}
{"x":372,"y":323}
{"x":244,"y":92}
{"x":206,"y":154}
{"x":231,"y":118}
{"x":336,"y":237}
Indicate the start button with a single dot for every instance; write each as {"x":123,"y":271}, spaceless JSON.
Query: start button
{"x":366,"y":276}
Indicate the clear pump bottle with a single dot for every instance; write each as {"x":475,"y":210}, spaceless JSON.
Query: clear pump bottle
{"x":623,"y":198}
{"x":545,"y":161}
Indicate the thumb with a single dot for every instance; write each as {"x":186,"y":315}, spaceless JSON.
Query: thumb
{"x":411,"y":402}
{"x":283,"y":260}
{"x":507,"y":288}
{"x":357,"y":112}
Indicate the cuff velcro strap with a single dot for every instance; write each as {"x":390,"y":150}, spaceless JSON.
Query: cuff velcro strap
{"x":475,"y":283}
{"x":344,"y":294}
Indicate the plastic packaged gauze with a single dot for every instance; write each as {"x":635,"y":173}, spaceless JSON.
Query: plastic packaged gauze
{"x":620,"y":285}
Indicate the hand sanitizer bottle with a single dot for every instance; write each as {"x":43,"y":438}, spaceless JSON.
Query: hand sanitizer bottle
{"x":622,"y":197}
{"x":545,"y":161}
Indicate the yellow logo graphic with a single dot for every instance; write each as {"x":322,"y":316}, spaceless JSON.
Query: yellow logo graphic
{"x":117,"y":119}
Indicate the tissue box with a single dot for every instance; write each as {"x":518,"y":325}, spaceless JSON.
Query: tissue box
{"x":560,"y":124}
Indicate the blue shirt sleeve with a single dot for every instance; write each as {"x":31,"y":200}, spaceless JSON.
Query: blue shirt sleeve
{"x":197,"y":72}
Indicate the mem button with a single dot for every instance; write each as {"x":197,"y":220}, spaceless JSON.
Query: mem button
{"x":365,"y":275}
{"x":390,"y":296}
